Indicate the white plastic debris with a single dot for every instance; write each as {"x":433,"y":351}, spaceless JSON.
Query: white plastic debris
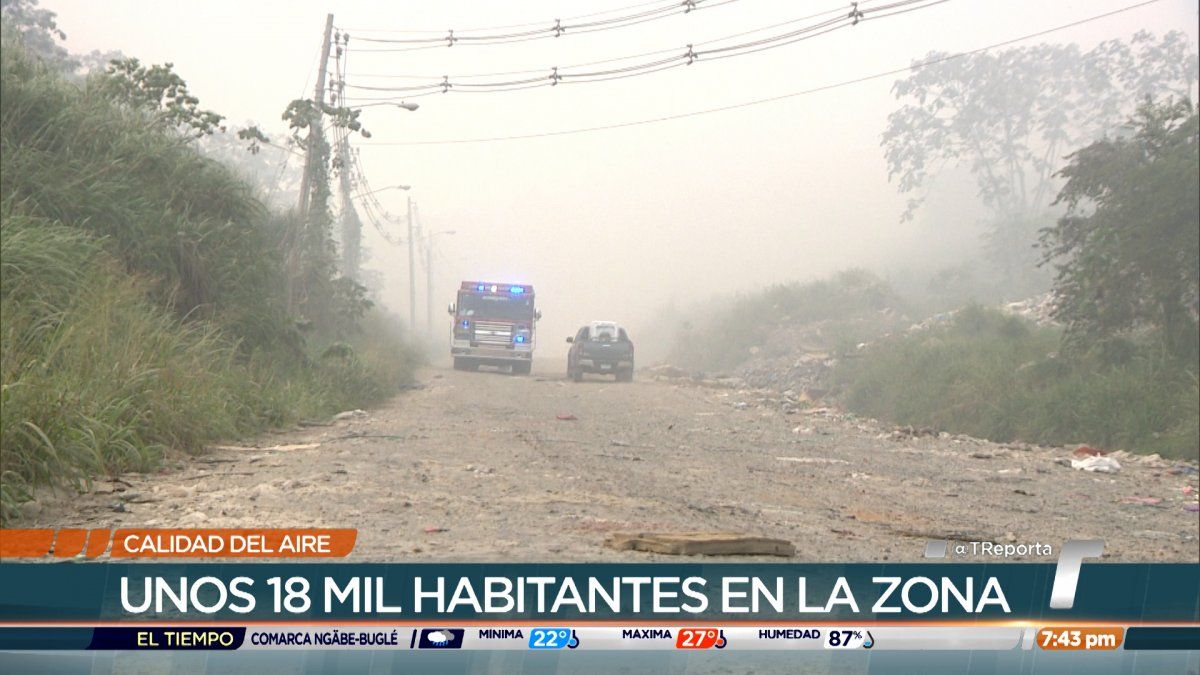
{"x":1098,"y":464}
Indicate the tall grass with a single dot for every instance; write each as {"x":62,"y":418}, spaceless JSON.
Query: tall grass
{"x":848,"y":304}
{"x":999,"y":377}
{"x":188,"y":225}
{"x":141,"y":297}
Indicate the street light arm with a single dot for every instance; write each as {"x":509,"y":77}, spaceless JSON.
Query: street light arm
{"x":390,"y":187}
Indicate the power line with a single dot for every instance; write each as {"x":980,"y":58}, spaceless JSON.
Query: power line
{"x":547,"y":30}
{"x":771,"y":99}
{"x":505,"y":27}
{"x":562,"y":75}
{"x":840,"y":9}
{"x":375,"y":212}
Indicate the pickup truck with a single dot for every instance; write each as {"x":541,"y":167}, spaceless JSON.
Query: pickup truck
{"x":600,"y":347}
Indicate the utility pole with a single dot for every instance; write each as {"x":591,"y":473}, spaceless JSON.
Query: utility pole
{"x":351,"y":225}
{"x":314,"y":132}
{"x":351,"y":239}
{"x":412,"y":272}
{"x":429,"y":283}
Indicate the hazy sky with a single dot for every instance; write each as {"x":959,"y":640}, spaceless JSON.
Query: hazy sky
{"x":610,"y":224}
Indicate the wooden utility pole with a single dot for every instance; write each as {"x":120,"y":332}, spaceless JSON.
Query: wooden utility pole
{"x":351,"y":225}
{"x":429,"y":283}
{"x":314,"y":132}
{"x":412,"y":272}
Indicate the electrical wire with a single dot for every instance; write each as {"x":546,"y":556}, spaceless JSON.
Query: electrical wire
{"x":506,"y":27}
{"x":557,"y":75}
{"x":746,"y":104}
{"x":375,"y":212}
{"x":547,"y":29}
{"x":844,"y":8}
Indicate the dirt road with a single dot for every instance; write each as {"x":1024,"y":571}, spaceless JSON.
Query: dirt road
{"x":485,"y":459}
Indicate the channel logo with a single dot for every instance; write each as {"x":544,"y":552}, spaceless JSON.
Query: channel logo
{"x":440,"y":638}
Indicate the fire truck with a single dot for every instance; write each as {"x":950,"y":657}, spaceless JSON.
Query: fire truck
{"x":493,"y":326}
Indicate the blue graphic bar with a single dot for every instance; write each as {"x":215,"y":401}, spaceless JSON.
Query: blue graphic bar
{"x":1177,"y":638}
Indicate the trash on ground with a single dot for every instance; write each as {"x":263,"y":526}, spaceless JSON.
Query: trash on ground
{"x":277,"y":448}
{"x":432,"y":529}
{"x":349,"y":414}
{"x":1144,"y":501}
{"x":668,"y":371}
{"x":1088,"y":451}
{"x":699,"y":543}
{"x":813,"y":460}
{"x":1096,"y":464}
{"x":295,"y":446}
{"x":1193,"y":507}
{"x":565,"y":416}
{"x":904,"y":433}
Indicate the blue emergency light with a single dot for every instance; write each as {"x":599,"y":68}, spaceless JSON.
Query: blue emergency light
{"x":519,"y":338}
{"x":485,"y":287}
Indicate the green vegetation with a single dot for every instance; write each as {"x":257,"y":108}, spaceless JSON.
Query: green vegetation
{"x":999,"y":377}
{"x":150,"y":301}
{"x":837,"y":313}
{"x":1122,"y":373}
{"x":1009,"y":115}
{"x":1128,"y":250}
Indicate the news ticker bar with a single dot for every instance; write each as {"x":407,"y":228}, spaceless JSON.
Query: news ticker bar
{"x":1089,"y":638}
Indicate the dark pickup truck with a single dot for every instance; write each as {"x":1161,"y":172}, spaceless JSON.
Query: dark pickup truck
{"x":600,"y":347}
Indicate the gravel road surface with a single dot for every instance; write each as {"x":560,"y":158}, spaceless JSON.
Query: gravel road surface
{"x":480,"y":467}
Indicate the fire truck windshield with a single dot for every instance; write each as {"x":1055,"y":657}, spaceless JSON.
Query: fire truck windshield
{"x":500,"y":306}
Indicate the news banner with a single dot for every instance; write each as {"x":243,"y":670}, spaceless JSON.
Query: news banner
{"x":284,"y":591}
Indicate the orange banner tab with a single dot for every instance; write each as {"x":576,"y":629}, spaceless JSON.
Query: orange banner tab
{"x":233,"y":543}
{"x":25,"y":543}
{"x":1083,"y":638}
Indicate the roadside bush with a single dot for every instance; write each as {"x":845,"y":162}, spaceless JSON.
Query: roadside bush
{"x":1000,"y":377}
{"x":142,"y":298}
{"x":850,"y":301}
{"x":95,"y":378}
{"x":187,"y":225}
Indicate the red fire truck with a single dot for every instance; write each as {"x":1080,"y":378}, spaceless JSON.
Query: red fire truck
{"x":494,"y":326}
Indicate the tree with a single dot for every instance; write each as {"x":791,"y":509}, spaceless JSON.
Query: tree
{"x":159,"y":90}
{"x":1127,"y":252}
{"x":311,"y":256}
{"x":1007,"y":116}
{"x":273,"y":168}
{"x":38,"y":32}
